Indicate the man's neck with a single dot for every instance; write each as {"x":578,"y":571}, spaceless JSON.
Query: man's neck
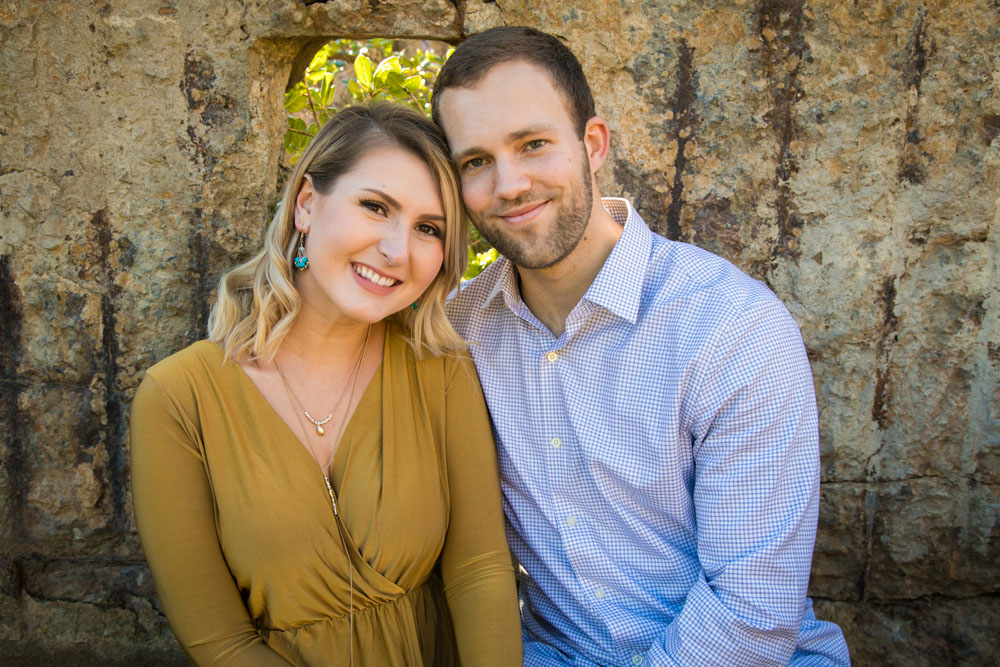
{"x":551,"y":293}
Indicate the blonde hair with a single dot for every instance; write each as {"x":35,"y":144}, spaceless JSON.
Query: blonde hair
{"x":258,"y":302}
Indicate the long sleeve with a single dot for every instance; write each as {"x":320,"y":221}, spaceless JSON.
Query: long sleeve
{"x":476,"y":565}
{"x":755,"y":496}
{"x":175,"y":515}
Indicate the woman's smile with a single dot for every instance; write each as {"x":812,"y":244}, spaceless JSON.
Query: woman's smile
{"x":371,"y":279}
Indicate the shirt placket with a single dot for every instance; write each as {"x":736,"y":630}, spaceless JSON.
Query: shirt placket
{"x":565,"y":473}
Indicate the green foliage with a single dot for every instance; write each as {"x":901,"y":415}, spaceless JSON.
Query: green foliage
{"x":478,"y":261}
{"x":343,"y":73}
{"x":481,"y":254}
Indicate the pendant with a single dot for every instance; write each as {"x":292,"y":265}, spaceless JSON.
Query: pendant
{"x":318,"y":424}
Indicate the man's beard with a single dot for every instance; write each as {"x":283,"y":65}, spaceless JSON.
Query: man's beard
{"x":559,"y":240}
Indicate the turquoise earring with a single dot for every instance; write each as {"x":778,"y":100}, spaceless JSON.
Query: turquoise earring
{"x":301,"y":261}
{"x":414,"y":305}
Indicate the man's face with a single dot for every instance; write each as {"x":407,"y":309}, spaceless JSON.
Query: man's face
{"x":526,"y":178}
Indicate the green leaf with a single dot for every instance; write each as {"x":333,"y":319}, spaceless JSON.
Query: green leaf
{"x":326,"y":90}
{"x":386,"y":71}
{"x":363,"y":71}
{"x":413,"y":83}
{"x":295,"y":142}
{"x":355,"y":90}
{"x":394,"y":79}
{"x":318,"y":60}
{"x":295,"y":101}
{"x":390,"y":64}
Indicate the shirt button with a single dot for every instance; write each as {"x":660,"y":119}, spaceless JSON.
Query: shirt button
{"x":637,"y":659}
{"x":571,"y":520}
{"x":552,"y":356}
{"x":556,"y":442}
{"x":599,"y":593}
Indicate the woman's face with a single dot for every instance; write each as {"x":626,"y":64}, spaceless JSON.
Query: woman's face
{"x":376,"y":240}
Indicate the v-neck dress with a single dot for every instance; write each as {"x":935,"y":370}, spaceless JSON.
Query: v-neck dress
{"x":242,"y":542}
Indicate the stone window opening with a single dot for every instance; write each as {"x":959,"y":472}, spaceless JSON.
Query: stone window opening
{"x":326,"y":68}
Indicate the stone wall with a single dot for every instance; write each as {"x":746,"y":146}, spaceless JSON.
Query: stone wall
{"x":844,"y":152}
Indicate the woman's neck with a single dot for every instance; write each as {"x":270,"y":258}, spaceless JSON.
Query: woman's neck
{"x":322,"y":347}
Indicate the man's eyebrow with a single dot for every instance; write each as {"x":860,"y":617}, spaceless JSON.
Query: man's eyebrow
{"x":540,"y":128}
{"x":393,"y":202}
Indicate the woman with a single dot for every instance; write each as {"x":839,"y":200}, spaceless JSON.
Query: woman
{"x":300,"y":478}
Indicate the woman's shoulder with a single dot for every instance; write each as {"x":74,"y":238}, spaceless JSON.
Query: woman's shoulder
{"x":446,"y":365}
{"x":195,"y":363}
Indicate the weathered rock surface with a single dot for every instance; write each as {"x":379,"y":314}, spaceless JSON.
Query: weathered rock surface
{"x":845,"y":153}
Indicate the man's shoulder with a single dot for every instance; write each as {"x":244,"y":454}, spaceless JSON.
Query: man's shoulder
{"x":676,"y":270}
{"x":469,"y":302}
{"x":679,"y":270}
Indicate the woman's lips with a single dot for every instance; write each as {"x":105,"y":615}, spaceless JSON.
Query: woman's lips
{"x":372,"y":280}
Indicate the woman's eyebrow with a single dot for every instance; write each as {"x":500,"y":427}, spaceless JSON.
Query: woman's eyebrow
{"x":395,"y":204}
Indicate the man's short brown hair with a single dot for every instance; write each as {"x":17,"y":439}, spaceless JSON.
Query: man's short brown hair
{"x":480,"y":53}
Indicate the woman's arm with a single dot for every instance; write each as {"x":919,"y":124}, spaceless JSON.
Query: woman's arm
{"x":476,"y":565}
{"x":175,"y":515}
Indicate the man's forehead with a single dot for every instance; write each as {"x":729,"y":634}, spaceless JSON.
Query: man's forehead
{"x":507,"y":98}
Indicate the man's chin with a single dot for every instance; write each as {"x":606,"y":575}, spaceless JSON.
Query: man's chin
{"x":529,"y":256}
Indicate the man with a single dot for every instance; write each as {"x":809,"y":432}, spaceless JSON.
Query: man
{"x":653,"y":406}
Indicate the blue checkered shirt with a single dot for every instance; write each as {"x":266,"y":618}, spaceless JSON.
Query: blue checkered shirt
{"x":659,"y":461}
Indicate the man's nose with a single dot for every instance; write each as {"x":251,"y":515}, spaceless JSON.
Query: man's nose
{"x":394,"y":244}
{"x":511,"y":179}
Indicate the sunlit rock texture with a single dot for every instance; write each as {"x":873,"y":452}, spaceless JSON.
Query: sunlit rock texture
{"x":843,"y":152}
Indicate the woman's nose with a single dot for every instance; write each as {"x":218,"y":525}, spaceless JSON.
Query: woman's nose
{"x":393,"y":245}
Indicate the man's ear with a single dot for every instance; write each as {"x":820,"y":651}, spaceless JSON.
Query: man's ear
{"x":597,"y":139}
{"x":304,"y":202}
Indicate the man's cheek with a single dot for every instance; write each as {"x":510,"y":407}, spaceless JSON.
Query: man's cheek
{"x":472,"y":195}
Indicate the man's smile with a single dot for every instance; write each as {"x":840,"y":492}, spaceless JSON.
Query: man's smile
{"x":524,"y":214}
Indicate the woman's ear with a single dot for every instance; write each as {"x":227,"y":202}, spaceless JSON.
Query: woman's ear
{"x":304,"y":201}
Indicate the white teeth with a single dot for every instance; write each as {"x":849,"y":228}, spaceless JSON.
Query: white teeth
{"x":376,"y":278}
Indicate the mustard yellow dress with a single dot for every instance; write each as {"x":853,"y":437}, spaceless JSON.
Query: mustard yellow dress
{"x":239,"y":531}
